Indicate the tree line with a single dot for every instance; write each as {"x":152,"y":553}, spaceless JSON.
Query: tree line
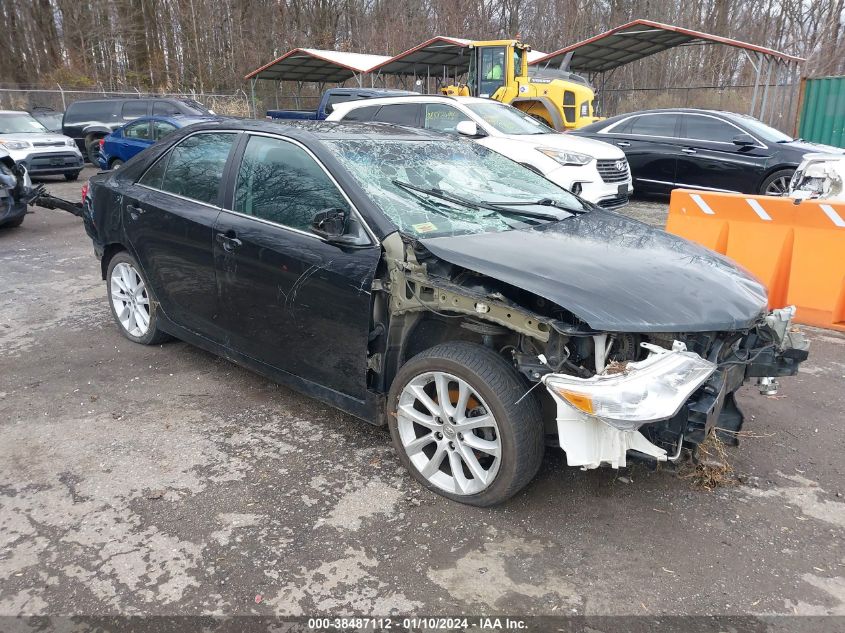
{"x":209,"y":45}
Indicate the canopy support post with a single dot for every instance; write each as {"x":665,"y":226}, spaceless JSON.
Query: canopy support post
{"x":757,"y":69}
{"x":252,"y":95}
{"x":765,"y":101}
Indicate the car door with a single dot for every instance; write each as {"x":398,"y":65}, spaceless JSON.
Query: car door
{"x":650,"y":143}
{"x":710,"y":160}
{"x":134,"y":109}
{"x":292,"y":300}
{"x":169,"y":216}
{"x":136,"y":138}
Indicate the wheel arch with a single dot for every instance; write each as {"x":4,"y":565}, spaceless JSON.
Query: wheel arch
{"x":554,"y":116}
{"x":109,"y":251}
{"x":772,"y":170}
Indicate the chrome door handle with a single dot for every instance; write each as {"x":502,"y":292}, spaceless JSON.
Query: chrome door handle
{"x":134,"y":209}
{"x":623,"y":144}
{"x":688,"y":150}
{"x":229,"y":243}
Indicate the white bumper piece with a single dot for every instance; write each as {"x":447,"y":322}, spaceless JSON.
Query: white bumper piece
{"x":598,"y":418}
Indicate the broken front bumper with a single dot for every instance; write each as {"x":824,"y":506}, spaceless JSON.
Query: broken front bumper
{"x":652,"y":408}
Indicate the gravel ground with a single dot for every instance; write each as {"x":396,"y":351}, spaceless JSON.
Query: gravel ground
{"x":163,"y":480}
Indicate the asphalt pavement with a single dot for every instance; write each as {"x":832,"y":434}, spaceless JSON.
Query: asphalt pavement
{"x":163,"y":480}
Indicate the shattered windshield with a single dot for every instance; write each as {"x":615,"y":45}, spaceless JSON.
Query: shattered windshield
{"x":452,"y":187}
{"x":509,"y":120}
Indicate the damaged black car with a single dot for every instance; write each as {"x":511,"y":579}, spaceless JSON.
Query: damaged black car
{"x":427,"y":283}
{"x":15,"y":187}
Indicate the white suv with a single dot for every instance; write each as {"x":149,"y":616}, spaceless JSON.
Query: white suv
{"x":36,"y":148}
{"x":596,"y":171}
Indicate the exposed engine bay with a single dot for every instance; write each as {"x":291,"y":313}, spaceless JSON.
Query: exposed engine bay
{"x":608,"y":396}
{"x":15,"y":190}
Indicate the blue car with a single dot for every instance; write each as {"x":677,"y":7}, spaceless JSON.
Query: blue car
{"x":136,"y":136}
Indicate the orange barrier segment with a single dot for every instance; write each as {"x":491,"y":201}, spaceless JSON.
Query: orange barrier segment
{"x":796,"y":250}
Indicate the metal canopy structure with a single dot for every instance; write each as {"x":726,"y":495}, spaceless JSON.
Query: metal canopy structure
{"x":635,"y":40}
{"x":441,"y":53}
{"x":638,"y":39}
{"x":318,"y":66}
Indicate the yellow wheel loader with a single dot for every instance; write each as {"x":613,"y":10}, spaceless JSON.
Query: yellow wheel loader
{"x":498,"y":70}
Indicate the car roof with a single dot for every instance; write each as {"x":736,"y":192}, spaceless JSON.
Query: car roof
{"x":323,"y":130}
{"x":13,"y":112}
{"x":410,"y":98}
{"x":182,"y":119}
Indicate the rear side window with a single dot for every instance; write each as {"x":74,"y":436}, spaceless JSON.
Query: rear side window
{"x":361,"y":114}
{"x":194,"y":167}
{"x":162,"y":129}
{"x":339,"y":98}
{"x":705,"y":128}
{"x":279,"y":181}
{"x":404,"y":114}
{"x":655,"y":125}
{"x":91,"y":111}
{"x":134,"y":109}
{"x":164,"y":108}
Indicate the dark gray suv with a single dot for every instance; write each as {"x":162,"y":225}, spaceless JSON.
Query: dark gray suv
{"x":87,"y":122}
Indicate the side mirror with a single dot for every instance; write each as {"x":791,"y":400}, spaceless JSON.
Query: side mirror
{"x":329,"y":223}
{"x":744,"y":140}
{"x":329,"y":108}
{"x":470,"y":129}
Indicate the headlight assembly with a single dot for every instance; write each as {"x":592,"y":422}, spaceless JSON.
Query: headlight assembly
{"x":647,"y":391}
{"x":564,"y":157}
{"x":70,"y":142}
{"x":14,"y":144}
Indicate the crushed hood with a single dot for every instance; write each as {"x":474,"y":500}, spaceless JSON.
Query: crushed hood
{"x":616,"y":274}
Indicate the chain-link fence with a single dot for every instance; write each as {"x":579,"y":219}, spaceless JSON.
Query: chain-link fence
{"x":780,"y":111}
{"x":16,"y":97}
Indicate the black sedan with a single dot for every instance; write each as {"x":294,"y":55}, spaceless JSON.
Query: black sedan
{"x":430,"y":284}
{"x":703,"y":149}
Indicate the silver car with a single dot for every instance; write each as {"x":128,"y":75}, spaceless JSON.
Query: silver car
{"x":39,"y":150}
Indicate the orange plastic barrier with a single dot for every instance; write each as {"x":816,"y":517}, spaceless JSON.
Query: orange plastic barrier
{"x":796,"y":250}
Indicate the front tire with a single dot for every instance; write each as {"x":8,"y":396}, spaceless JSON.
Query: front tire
{"x":13,"y":223}
{"x":132,"y":301}
{"x":481,"y":447}
{"x":777,"y":184}
{"x":72,"y":176}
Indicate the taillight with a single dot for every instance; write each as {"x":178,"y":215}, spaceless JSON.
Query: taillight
{"x":84,"y":192}
{"x":102,"y":142}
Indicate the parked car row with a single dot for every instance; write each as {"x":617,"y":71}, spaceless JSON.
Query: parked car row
{"x":704,"y":149}
{"x":429,"y":283}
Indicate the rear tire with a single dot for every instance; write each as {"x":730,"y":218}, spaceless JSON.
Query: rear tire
{"x":93,"y":151}
{"x":115,"y":163}
{"x":489,"y":429}
{"x":72,"y":176}
{"x":777,"y":184}
{"x":132,"y":301}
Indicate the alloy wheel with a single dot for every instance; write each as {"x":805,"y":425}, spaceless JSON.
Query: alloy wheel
{"x":778,"y":187}
{"x":130,"y":299}
{"x":449,"y":433}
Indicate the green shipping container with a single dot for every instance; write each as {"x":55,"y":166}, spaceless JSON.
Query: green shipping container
{"x":823,"y":111}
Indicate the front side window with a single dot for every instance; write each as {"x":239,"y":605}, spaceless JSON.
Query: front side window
{"x":662,"y":125}
{"x":138,"y":131}
{"x":281,"y":182}
{"x":449,"y":187}
{"x":134,"y":109}
{"x":706,"y":128}
{"x":194,"y":168}
{"x":443,"y":118}
{"x":509,"y":120}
